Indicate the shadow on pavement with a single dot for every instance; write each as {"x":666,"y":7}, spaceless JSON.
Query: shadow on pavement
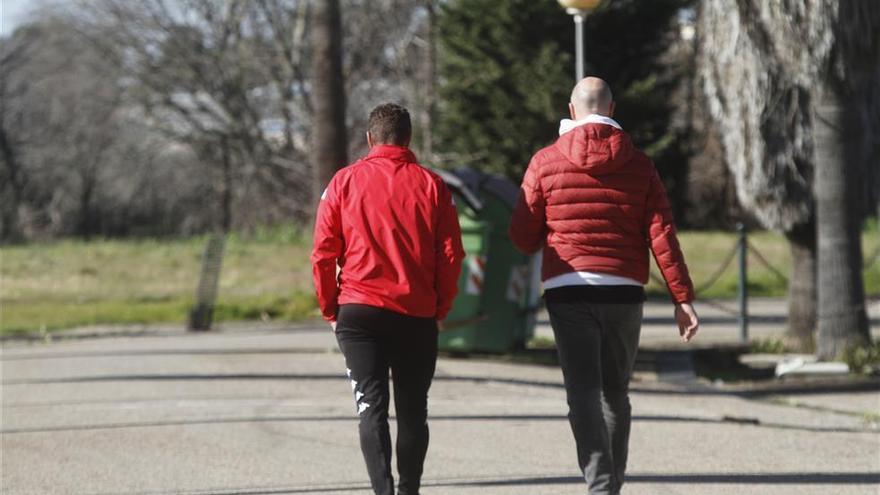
{"x":433,"y":418}
{"x":688,"y":389}
{"x":695,"y":478}
{"x":734,"y":478}
{"x":165,"y":352}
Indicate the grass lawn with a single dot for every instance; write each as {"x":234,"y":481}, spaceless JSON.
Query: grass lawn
{"x":74,"y":283}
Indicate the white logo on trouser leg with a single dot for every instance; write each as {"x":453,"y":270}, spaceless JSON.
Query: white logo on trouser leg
{"x":354,"y":382}
{"x":358,"y":395}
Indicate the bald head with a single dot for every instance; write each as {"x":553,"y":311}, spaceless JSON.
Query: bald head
{"x":591,"y":95}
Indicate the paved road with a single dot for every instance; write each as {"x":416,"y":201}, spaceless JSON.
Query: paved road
{"x":257,"y":409}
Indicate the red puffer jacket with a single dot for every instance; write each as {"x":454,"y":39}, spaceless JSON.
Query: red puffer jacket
{"x":595,"y":203}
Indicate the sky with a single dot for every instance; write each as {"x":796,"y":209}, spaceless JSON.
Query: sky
{"x":12,"y":13}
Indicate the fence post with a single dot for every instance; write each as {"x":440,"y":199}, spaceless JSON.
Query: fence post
{"x":202,"y":314}
{"x":743,"y":291}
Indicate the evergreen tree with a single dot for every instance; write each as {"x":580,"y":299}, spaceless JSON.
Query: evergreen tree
{"x":507,"y":69}
{"x":505,"y":72}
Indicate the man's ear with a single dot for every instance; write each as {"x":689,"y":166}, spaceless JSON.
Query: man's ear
{"x":369,"y":139}
{"x":571,"y":111}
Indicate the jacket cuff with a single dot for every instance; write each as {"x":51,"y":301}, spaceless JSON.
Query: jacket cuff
{"x":687,"y":297}
{"x":330,"y":314}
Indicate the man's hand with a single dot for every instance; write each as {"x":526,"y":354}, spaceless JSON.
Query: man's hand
{"x":333,"y":325}
{"x":687,"y":321}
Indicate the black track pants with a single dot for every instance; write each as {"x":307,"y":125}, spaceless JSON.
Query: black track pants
{"x":374,"y":340}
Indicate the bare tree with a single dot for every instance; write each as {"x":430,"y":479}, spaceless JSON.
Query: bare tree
{"x":387,"y":52}
{"x":12,"y":57}
{"x":767,"y":66}
{"x":224,"y":85}
{"x":241,"y":72}
{"x":386,"y":55}
{"x":227,"y":78}
{"x":59,"y":126}
{"x":76,"y":157}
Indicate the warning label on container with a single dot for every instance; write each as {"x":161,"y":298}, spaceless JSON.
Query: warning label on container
{"x":476,"y":268}
{"x":518,"y":283}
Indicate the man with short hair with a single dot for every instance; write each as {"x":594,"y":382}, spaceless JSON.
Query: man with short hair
{"x":392,"y":228}
{"x":596,"y":204}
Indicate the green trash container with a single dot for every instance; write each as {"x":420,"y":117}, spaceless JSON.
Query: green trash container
{"x":495,"y":307}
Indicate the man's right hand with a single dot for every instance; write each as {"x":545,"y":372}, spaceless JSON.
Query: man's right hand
{"x":333,"y":325}
{"x":688,"y":324}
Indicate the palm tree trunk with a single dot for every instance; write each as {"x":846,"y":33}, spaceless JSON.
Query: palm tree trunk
{"x":802,"y":287}
{"x":329,"y":140}
{"x":842,"y":319}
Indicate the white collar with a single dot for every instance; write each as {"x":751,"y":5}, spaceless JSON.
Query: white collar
{"x":567,"y":124}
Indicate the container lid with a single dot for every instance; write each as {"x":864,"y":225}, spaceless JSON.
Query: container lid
{"x":459,"y":186}
{"x":498,"y":186}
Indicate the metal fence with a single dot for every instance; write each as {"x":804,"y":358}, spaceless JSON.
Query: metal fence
{"x":740,"y":251}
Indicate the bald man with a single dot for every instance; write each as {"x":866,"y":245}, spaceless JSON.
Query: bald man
{"x":596,"y":205}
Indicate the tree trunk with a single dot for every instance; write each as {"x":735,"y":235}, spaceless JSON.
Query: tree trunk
{"x":427,"y":151}
{"x":329,"y":140}
{"x":802,"y":287}
{"x":86,"y":215}
{"x":226,"y":199}
{"x":9,"y":227}
{"x":842,"y":318}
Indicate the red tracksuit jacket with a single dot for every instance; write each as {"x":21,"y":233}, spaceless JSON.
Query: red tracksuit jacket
{"x":392,"y":227}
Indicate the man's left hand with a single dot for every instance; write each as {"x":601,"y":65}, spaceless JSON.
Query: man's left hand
{"x":687,"y":320}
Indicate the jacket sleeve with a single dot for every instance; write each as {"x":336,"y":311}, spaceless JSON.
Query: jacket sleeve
{"x":326,"y":250}
{"x":448,"y":251}
{"x":664,"y":242}
{"x":528,"y":223}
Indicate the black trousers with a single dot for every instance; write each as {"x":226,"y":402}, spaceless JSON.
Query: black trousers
{"x":597,"y":344}
{"x":374,"y":340}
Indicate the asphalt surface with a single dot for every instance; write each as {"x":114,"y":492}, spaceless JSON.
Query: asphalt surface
{"x":261,"y":409}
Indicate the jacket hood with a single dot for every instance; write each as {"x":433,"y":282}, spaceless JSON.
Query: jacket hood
{"x":596,"y":143}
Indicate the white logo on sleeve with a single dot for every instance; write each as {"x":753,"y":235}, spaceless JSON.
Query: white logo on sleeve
{"x":324,"y":195}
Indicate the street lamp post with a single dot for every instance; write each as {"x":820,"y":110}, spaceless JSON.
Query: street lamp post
{"x":579,"y":9}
